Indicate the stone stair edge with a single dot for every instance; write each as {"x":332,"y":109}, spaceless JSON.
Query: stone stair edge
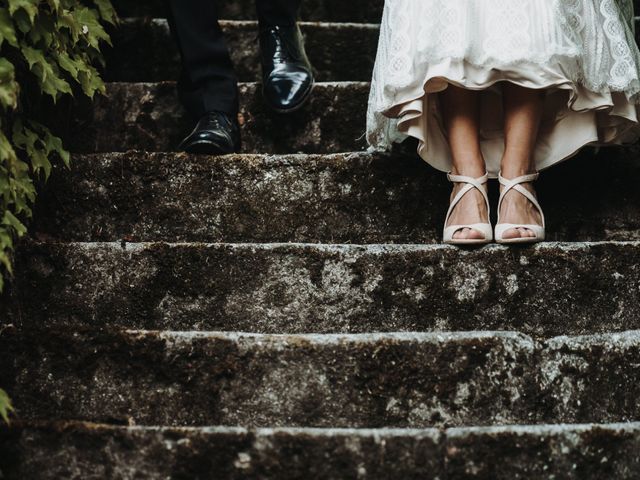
{"x":254,"y":23}
{"x":126,"y":246}
{"x":434,"y":432}
{"x":568,"y":451}
{"x":354,"y":384}
{"x":317,"y":85}
{"x":621,"y":339}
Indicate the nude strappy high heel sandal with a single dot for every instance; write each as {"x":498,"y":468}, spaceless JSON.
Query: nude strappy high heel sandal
{"x":501,"y":228}
{"x":483,"y":228}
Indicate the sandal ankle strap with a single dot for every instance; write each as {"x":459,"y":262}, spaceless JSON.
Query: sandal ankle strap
{"x":516,"y":184}
{"x":465,"y":179}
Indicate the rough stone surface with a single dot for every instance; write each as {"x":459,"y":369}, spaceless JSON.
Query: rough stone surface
{"x":593,"y":373}
{"x":87,"y":330}
{"x":148,"y":116}
{"x":77,"y":451}
{"x":363,"y":381}
{"x":341,"y":198}
{"x":311,"y":10}
{"x":130,"y":59}
{"x":189,"y":378}
{"x":567,"y":452}
{"x":551,"y":289}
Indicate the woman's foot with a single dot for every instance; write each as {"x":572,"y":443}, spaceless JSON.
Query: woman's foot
{"x":471,"y":209}
{"x":467,"y":220}
{"x":517,"y":209}
{"x":520,"y":216}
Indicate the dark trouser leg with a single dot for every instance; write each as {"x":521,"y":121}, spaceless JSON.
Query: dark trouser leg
{"x":283,"y":13}
{"x":208,"y":81}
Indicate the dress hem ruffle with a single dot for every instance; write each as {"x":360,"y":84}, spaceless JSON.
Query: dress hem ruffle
{"x":574,"y":116}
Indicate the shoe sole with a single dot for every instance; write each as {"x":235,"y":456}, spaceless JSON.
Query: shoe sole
{"x":468,"y":242}
{"x":520,"y":241}
{"x":206,"y":148}
{"x":300,"y":105}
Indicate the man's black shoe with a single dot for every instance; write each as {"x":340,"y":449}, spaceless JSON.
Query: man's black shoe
{"x":215,"y":134}
{"x":287,"y":79}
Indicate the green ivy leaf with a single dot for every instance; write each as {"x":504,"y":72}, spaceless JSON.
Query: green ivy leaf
{"x":93,"y":32}
{"x":30,"y":7}
{"x":12,"y":221}
{"x":107,"y":12}
{"x":67,"y":21}
{"x":91,"y":82}
{"x":60,"y":42}
{"x":7,"y":32}
{"x":43,"y":33}
{"x":49,"y":80}
{"x":9,"y":88}
{"x":54,"y":144}
{"x":54,"y":5}
{"x":70,"y":65}
{"x":5,"y":405}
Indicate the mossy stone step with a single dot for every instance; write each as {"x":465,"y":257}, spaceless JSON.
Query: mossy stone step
{"x":76,"y":450}
{"x":339,"y":198}
{"x":148,"y":116}
{"x":360,"y":381}
{"x":550,"y":289}
{"x":311,"y":10}
{"x":145,"y":52}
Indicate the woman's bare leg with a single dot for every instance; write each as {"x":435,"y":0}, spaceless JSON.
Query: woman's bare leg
{"x":523,"y":109}
{"x":461,"y":115}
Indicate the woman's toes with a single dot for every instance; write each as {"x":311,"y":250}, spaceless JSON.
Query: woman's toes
{"x":512,"y":233}
{"x":467,"y":234}
{"x":460,"y":234}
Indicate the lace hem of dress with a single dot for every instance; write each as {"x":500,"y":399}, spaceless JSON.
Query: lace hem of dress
{"x":382,"y":121}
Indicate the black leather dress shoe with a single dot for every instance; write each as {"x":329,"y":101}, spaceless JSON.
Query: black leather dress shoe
{"x":215,"y":134}
{"x":287,"y":79}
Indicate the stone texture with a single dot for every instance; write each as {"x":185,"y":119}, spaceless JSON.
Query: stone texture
{"x":148,"y":116}
{"x":567,"y":452}
{"x":362,"y":381}
{"x":593,"y":373}
{"x":77,"y":451}
{"x":188,"y":378}
{"x":130,"y":61}
{"x":66,"y":354}
{"x":340,"y":198}
{"x":311,"y":10}
{"x":548,"y":290}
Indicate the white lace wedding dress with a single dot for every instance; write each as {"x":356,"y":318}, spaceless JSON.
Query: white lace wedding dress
{"x":581,"y":51}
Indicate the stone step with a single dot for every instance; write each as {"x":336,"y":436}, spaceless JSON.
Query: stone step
{"x":338,"y":51}
{"x":148,"y":116}
{"x":550,"y":289}
{"x":311,"y":10}
{"x":361,"y":381}
{"x":145,"y":52}
{"x":78,"y":450}
{"x":340,"y":198}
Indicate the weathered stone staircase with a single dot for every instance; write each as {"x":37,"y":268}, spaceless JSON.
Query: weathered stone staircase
{"x":291,"y":315}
